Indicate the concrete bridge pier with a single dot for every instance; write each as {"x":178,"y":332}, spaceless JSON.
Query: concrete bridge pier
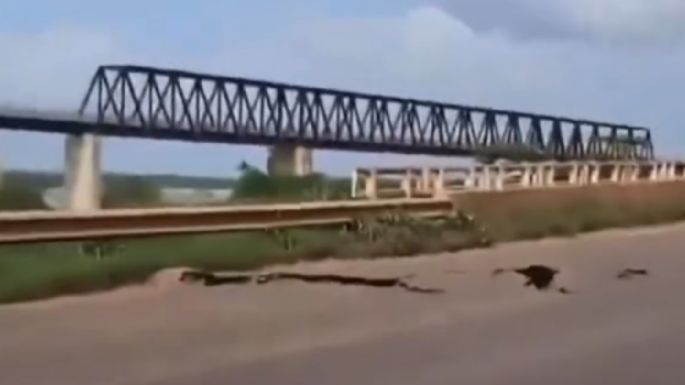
{"x":290,"y":160}
{"x":82,"y":173}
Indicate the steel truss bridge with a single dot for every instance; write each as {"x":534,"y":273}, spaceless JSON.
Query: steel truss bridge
{"x":147,"y":102}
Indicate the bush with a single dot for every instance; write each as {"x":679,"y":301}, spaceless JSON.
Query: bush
{"x":255,"y":184}
{"x":129,"y":191}
{"x":15,"y":195}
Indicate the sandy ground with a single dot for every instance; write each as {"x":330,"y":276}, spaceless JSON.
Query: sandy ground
{"x":483,"y":330}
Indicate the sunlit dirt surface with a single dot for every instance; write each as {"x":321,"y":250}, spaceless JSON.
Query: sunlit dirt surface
{"x":484,"y":329}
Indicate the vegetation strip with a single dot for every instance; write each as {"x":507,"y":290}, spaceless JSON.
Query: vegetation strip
{"x":30,"y":272}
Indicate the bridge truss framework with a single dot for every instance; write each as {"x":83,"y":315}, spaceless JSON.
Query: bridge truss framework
{"x":160,"y":103}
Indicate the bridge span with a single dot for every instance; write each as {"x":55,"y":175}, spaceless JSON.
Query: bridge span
{"x":146,"y":102}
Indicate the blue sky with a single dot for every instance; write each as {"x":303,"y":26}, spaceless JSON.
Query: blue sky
{"x":616,"y":60}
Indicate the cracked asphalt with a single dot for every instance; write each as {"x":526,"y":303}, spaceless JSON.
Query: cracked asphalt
{"x":482,"y":330}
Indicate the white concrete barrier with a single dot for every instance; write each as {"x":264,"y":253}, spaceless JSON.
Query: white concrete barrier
{"x":440,"y":182}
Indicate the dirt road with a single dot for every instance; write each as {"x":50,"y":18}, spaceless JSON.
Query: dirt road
{"x":483,"y":330}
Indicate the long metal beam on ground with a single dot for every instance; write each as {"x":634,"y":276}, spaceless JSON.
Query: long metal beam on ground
{"x":42,"y":226}
{"x":159,"y":103}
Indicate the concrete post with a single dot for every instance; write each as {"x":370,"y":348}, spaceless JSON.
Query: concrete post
{"x":426,"y":177}
{"x":486,"y":179}
{"x":371,"y":185}
{"x":439,"y":190}
{"x":663,"y":172}
{"x":500,"y":175}
{"x":584,"y":178}
{"x":539,"y":178}
{"x":551,"y":175}
{"x":526,"y":176}
{"x":595,"y":174}
{"x":670,"y":173}
{"x":654,"y":173}
{"x":82,"y":179}
{"x":355,"y":183}
{"x":616,"y":173}
{"x":470,"y":182}
{"x":573,"y":174}
{"x":635,"y":175}
{"x":407,"y":183}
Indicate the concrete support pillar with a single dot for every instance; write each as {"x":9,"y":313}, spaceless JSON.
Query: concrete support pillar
{"x":616,"y":173}
{"x":539,"y":177}
{"x":82,"y":179}
{"x":470,"y":182}
{"x":654,"y":173}
{"x":596,"y":173}
{"x":371,"y":185}
{"x":290,"y":160}
{"x":573,"y":174}
{"x":439,"y":190}
{"x":550,"y":179}
{"x":526,"y":176}
{"x":584,"y":177}
{"x":354,"y":184}
{"x":635,"y":174}
{"x":663,"y":172}
{"x":670,"y":171}
{"x":486,"y":179}
{"x":500,"y":176}
{"x":426,"y":180}
{"x":407,"y":184}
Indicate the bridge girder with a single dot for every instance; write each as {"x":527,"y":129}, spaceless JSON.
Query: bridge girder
{"x":153,"y":102}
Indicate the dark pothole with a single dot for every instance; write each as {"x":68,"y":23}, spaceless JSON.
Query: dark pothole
{"x":539,"y":276}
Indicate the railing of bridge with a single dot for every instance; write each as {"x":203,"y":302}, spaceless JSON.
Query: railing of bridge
{"x":441,"y":182}
{"x":184,"y":105}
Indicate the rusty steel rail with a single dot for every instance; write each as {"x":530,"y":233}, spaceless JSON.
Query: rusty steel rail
{"x":41,"y":226}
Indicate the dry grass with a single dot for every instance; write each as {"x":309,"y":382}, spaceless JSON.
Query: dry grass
{"x":530,"y":214}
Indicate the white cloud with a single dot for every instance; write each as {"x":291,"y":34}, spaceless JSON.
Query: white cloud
{"x":52,"y":68}
{"x":425,"y":53}
{"x":621,"y":21}
{"x":429,"y":53}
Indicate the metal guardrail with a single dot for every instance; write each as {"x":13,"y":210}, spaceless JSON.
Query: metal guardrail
{"x":40,"y":226}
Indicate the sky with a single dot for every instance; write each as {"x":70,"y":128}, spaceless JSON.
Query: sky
{"x":614,"y":60}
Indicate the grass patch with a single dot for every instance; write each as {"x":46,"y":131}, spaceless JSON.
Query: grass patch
{"x":30,"y":272}
{"x":533,"y":214}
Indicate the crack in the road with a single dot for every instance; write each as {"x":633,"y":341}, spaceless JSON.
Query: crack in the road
{"x":540,"y":276}
{"x":212,"y":279}
{"x":631,"y":272}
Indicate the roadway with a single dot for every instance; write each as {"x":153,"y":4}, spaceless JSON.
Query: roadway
{"x":484,"y":330}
